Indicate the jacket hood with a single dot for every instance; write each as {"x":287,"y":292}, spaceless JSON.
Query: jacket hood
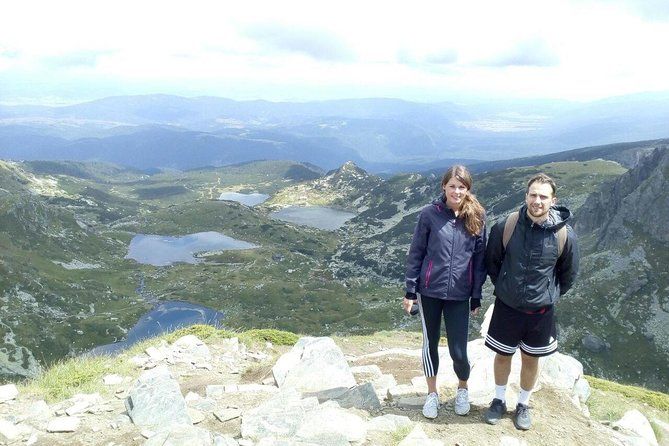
{"x":558,"y":216}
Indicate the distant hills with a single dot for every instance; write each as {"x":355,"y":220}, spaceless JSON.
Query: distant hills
{"x":380,"y":135}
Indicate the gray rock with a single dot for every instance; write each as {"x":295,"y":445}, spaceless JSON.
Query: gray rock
{"x":361,"y":397}
{"x":560,"y":371}
{"x":314,"y":364}
{"x":12,"y":432}
{"x":594,"y":343}
{"x":636,"y":423}
{"x":195,"y":415}
{"x":63,"y":424}
{"x":156,"y":400}
{"x":224,"y":440}
{"x":112,"y":380}
{"x":227,"y":414}
{"x":8,"y":392}
{"x":280,"y":416}
{"x":366,"y":373}
{"x":182,"y":435}
{"x":582,"y":390}
{"x":333,"y":422}
{"x":411,"y":402}
{"x":382,"y":384}
{"x":388,"y":423}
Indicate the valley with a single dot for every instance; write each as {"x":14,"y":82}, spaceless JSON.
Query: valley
{"x":66,"y":285}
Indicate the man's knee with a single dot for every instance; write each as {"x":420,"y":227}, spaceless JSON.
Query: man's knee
{"x":529,"y":361}
{"x":503,"y":359}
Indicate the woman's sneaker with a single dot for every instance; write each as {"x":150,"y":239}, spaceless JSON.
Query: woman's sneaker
{"x":461,"y":402}
{"x":431,"y":406}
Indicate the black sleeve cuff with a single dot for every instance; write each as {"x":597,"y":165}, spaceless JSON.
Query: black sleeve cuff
{"x":474,"y":304}
{"x":410,"y":296}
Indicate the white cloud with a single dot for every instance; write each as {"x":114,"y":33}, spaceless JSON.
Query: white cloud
{"x":309,"y":50}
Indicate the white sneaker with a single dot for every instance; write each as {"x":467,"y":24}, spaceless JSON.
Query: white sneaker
{"x":462,"y":402}
{"x":431,"y":406}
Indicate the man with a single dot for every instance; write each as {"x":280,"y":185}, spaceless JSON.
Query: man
{"x":531,"y":263}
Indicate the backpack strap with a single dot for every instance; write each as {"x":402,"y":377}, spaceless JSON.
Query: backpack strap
{"x":509,"y":226}
{"x":562,"y":239}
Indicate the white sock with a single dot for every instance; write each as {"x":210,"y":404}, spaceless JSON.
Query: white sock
{"x":524,"y":397}
{"x":500,"y":393}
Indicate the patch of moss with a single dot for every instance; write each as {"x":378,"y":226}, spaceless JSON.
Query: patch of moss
{"x":276,"y":337}
{"x":654,"y":399}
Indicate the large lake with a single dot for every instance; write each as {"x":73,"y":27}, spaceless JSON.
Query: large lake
{"x":160,"y":250}
{"x":246,"y":199}
{"x":165,"y":317}
{"x":314,"y":216}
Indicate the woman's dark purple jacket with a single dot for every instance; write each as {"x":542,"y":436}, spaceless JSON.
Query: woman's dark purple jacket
{"x":445,"y":261}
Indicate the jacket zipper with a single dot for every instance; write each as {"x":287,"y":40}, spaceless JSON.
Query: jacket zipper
{"x":427,"y":274}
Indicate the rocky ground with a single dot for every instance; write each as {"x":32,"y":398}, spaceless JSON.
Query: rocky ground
{"x":316,"y":393}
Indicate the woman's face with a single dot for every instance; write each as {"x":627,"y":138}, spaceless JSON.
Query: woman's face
{"x":455,"y":190}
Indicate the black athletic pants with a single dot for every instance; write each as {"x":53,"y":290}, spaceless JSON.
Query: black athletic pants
{"x":456,"y":320}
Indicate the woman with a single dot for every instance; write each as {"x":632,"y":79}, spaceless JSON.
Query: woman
{"x":445,"y":274}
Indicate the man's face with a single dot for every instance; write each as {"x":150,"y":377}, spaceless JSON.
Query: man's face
{"x":539,"y":199}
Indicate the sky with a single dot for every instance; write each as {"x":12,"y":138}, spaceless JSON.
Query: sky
{"x":428,"y":51}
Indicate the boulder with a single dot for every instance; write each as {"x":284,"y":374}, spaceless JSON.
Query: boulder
{"x":313,"y":365}
{"x":280,"y":416}
{"x":156,"y":400}
{"x":331,"y":421}
{"x":10,"y":432}
{"x":636,"y":423}
{"x":8,"y":392}
{"x":582,"y":390}
{"x":361,"y":397}
{"x":560,"y":371}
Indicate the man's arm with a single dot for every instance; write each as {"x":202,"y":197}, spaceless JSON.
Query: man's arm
{"x":494,"y":254}
{"x":568,"y":263}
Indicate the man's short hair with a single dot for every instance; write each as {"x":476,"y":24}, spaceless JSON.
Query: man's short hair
{"x":544,"y":179}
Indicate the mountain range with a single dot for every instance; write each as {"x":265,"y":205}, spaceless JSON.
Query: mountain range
{"x":381,"y":135}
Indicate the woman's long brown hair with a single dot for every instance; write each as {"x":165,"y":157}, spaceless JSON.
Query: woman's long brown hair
{"x":470,"y":208}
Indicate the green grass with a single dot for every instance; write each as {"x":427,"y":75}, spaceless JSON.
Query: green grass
{"x":77,"y":375}
{"x":658,"y":400}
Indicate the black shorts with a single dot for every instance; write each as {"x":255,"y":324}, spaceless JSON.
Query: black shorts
{"x":509,"y":329}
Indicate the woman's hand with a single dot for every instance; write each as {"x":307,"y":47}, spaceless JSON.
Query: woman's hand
{"x":475,"y":311}
{"x":407,"y":304}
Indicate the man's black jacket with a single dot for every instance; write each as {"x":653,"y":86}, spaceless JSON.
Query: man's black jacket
{"x":528,"y":275}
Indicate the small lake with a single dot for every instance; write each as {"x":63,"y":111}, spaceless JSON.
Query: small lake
{"x":245,"y":199}
{"x":160,"y":250}
{"x":315,"y":216}
{"x":166,"y":316}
